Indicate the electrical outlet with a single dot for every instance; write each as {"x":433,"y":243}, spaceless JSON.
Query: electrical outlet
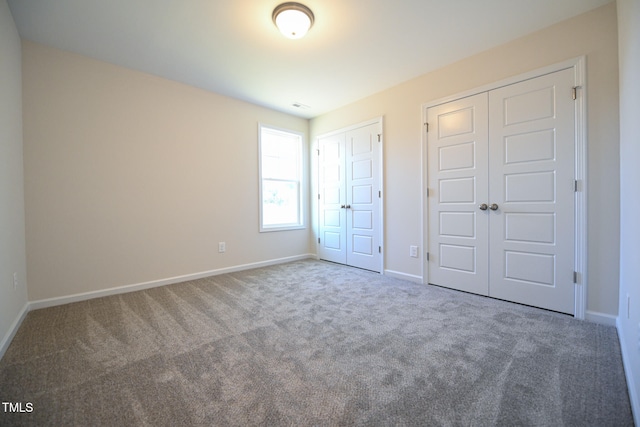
{"x":413,"y":251}
{"x":15,"y":281}
{"x":222,"y":247}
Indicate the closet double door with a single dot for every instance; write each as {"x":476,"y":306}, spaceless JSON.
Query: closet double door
{"x":349,"y":169}
{"x":501,"y":193}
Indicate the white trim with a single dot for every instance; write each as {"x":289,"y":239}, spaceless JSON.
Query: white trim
{"x":581,"y":234}
{"x":424,"y":205}
{"x":403,"y":276}
{"x":579,"y":66}
{"x":634,"y":398}
{"x":51,"y":302}
{"x":6,"y":341}
{"x":380,"y":120}
{"x":601,"y":318}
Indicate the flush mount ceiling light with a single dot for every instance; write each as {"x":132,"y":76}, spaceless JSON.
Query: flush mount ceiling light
{"x":293,"y":19}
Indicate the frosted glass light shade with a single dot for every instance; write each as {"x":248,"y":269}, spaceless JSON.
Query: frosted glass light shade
{"x":293,"y":19}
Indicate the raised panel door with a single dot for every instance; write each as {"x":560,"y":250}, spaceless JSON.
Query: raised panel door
{"x":332,"y":186}
{"x":363,"y":199}
{"x":501,"y":199}
{"x":458,"y":179}
{"x":349,"y":204}
{"x":532,"y":140}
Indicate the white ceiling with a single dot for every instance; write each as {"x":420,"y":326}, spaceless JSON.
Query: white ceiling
{"x":355,"y":48}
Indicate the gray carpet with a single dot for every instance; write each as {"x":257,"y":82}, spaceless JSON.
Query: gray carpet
{"x":311,"y":343}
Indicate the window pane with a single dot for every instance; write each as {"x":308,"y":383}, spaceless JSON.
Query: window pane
{"x":280,"y":157}
{"x":280,"y":202}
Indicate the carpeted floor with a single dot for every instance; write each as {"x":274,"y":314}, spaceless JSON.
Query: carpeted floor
{"x":311,"y":343}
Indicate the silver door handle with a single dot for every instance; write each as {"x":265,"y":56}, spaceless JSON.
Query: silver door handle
{"x":493,"y":207}
{"x":342,"y":206}
{"x":483,"y":207}
{"x":348,"y":206}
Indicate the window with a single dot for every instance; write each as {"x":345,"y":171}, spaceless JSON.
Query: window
{"x":281,"y":179}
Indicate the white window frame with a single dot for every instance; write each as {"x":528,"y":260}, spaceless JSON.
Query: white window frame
{"x":301,"y":224}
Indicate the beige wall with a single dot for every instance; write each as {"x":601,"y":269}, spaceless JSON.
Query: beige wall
{"x":593,"y":34}
{"x":629,"y":323}
{"x":12,"y":240}
{"x":130,"y":178}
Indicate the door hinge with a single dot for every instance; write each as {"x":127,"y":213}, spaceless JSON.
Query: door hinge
{"x":574,"y":92}
{"x":379,"y":194}
{"x":379,"y":249}
{"x":318,"y":151}
{"x":427,"y":126}
{"x":575,"y":185}
{"x":427,"y":255}
{"x":427,"y":192}
{"x":379,"y":136}
{"x":318,"y":240}
{"x":318,"y":196}
{"x":575,"y":277}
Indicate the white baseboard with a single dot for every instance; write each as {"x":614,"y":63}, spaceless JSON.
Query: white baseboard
{"x":634,"y":398}
{"x":601,"y":318}
{"x":51,"y":302}
{"x":6,"y":340}
{"x":403,"y":276}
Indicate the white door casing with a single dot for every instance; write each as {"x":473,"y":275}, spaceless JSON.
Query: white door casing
{"x":522,"y":251}
{"x":349,"y":168}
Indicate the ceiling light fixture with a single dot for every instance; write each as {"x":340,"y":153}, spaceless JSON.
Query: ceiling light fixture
{"x":293,"y":19}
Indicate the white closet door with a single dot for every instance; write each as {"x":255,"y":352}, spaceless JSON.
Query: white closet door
{"x":531,"y":164}
{"x":458,"y":186}
{"x":363,"y":197}
{"x":332,"y":190}
{"x":350,"y":226}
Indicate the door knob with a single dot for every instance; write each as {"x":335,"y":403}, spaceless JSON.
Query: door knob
{"x":348,"y":206}
{"x":342,"y":206}
{"x":493,"y":207}
{"x":483,"y":207}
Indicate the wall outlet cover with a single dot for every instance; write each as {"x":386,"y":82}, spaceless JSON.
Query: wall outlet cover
{"x":413,"y":251}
